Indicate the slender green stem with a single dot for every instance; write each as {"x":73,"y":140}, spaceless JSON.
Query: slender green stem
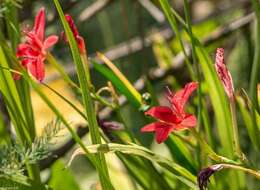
{"x":256,"y":63}
{"x":254,"y":78}
{"x":84,"y":81}
{"x":95,"y":96}
{"x":67,"y":101}
{"x":34,"y":172}
{"x":84,"y":59}
{"x":60,"y":69}
{"x":194,"y":59}
{"x":236,"y":143}
{"x":171,"y":17}
{"x":254,"y":173}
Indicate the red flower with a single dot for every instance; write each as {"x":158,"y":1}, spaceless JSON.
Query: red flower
{"x":80,"y":41}
{"x":174,"y":117}
{"x":33,"y":52}
{"x":223,"y":73}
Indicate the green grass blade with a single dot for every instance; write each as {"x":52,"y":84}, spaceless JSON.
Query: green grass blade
{"x":134,"y":149}
{"x":10,"y":93}
{"x":193,"y":44}
{"x":252,"y":131}
{"x":60,"y":69}
{"x":254,"y":78}
{"x":171,"y":18}
{"x":181,"y":154}
{"x":87,"y":100}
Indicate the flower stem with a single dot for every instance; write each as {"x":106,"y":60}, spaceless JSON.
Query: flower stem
{"x":194,"y":58}
{"x":236,"y":143}
{"x":254,"y":173}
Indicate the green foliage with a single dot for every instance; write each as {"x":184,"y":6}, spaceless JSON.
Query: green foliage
{"x":15,"y":156}
{"x":146,"y":165}
{"x":58,"y":181}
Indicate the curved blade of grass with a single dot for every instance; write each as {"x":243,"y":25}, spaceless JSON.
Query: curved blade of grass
{"x":87,"y":100}
{"x":193,"y":52}
{"x":9,"y":91}
{"x":254,"y":78}
{"x":248,"y":122}
{"x":67,"y":101}
{"x":137,"y":150}
{"x":23,"y":90}
{"x":171,"y":18}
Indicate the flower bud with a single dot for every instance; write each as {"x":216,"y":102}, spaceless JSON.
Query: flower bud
{"x":223,"y":73}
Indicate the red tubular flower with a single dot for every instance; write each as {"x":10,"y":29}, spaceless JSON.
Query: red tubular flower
{"x":33,"y":52}
{"x":223,"y":73}
{"x":80,"y":41}
{"x":174,"y":117}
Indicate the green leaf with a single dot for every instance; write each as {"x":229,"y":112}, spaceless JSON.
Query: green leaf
{"x":181,"y":154}
{"x":20,"y":182}
{"x":246,"y":115}
{"x":57,"y":181}
{"x":11,"y":97}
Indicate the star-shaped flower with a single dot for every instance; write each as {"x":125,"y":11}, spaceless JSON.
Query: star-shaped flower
{"x":174,"y":117}
{"x":33,"y":52}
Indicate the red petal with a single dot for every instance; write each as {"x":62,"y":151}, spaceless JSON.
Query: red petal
{"x":37,"y":69}
{"x":25,"y":62}
{"x":81,"y":45}
{"x":50,"y":41}
{"x":72,"y":25}
{"x":189,"y":121}
{"x":180,"y":98}
{"x":34,"y":41}
{"x":39,"y":24}
{"x":152,"y":126}
{"x":25,"y":51}
{"x":21,"y":49}
{"x":162,"y":133}
{"x":162,"y":113}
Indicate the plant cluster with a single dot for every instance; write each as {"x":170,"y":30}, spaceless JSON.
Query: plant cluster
{"x":202,"y":138}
